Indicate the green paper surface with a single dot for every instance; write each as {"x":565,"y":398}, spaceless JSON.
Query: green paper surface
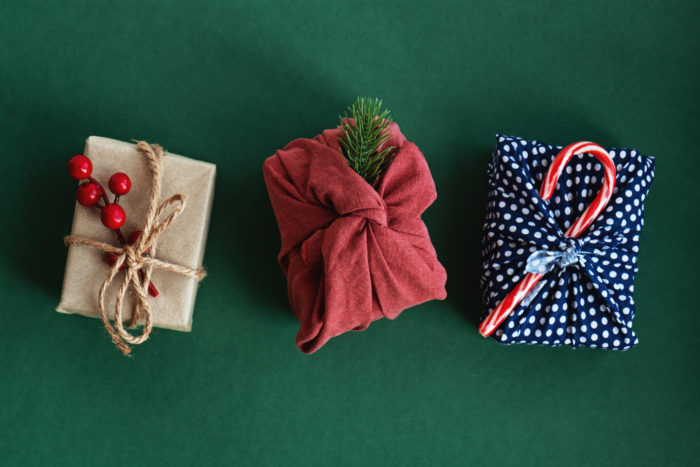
{"x":229,"y":83}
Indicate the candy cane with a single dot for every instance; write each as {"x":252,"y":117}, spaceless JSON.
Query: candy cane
{"x":505,"y":308}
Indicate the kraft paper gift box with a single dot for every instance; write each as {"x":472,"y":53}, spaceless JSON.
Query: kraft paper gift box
{"x":181,"y":243}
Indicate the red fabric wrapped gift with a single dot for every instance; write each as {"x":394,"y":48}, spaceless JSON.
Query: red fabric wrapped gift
{"x":351,"y":253}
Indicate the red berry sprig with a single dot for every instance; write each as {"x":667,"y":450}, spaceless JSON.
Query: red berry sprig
{"x":89,"y":194}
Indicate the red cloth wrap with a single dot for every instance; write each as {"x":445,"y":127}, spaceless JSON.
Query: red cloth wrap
{"x":351,"y":254}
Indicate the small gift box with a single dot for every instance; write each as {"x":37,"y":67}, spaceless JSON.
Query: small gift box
{"x":560,"y":243}
{"x":352,"y":252}
{"x":168,"y":205}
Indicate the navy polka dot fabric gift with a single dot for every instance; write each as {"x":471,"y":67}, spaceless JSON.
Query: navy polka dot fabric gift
{"x":585,"y":295}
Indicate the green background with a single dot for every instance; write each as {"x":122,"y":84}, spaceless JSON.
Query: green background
{"x":231,"y":82}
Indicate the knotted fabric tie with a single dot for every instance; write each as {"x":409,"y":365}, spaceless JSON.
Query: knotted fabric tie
{"x":543,"y":261}
{"x":139,"y":257}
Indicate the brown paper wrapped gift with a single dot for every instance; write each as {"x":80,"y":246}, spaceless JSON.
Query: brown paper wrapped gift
{"x":181,"y":243}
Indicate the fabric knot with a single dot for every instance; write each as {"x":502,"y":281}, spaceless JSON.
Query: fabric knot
{"x":543,"y":261}
{"x":138,"y":264}
{"x":377,"y":214}
{"x":571,"y":254}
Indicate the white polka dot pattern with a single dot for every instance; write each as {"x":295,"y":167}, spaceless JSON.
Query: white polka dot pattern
{"x":588,"y":302}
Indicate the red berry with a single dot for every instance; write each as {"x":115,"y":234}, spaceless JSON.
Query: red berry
{"x":134,"y":236}
{"x":119,"y":184}
{"x":88,"y":194}
{"x":79,"y":167}
{"x":113,"y":216}
{"x":111,"y":258}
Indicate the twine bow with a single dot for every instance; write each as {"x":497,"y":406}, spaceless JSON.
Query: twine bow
{"x":139,"y":257}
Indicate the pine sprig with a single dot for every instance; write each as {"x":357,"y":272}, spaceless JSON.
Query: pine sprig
{"x":364,"y":133}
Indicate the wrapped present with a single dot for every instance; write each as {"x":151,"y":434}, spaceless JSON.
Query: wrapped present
{"x":138,"y":260}
{"x":560,"y":243}
{"x":352,"y":252}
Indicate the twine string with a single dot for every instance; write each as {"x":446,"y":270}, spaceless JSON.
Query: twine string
{"x":134,"y":258}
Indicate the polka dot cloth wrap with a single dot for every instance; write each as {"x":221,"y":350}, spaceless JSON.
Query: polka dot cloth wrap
{"x":585,"y":296}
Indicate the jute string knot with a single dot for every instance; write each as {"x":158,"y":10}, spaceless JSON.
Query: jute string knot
{"x":141,"y":256}
{"x":132,"y":259}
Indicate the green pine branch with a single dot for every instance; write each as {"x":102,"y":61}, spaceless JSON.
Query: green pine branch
{"x":364,"y":132}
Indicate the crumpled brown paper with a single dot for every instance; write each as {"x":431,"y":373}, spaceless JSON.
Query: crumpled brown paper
{"x":182,"y":242}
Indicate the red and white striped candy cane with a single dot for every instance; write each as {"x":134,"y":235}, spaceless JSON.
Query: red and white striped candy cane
{"x":505,"y":308}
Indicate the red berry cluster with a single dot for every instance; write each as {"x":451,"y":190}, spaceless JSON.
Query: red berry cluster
{"x":89,"y":194}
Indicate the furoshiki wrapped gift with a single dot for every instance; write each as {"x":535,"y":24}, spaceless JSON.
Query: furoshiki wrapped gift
{"x":560,"y":243}
{"x":352,"y":252}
